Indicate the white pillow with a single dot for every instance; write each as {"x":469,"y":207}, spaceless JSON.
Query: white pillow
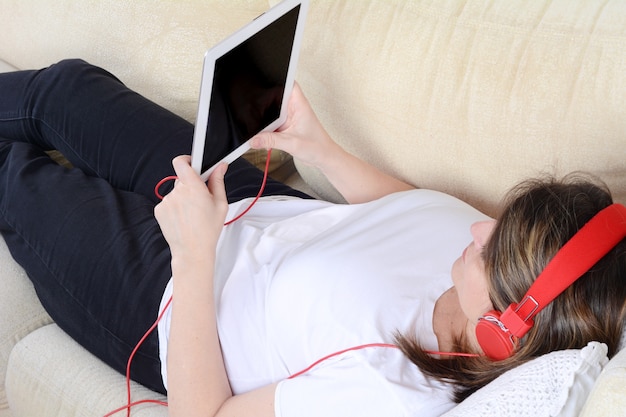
{"x":555,"y":384}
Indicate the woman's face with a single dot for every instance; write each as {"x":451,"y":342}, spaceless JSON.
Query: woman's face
{"x":469,"y":276}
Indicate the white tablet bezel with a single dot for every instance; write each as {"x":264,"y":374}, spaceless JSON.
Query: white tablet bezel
{"x":206,"y":84}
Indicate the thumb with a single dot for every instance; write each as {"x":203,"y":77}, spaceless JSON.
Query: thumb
{"x":183,"y":169}
{"x":265,"y":140}
{"x":216,"y":182}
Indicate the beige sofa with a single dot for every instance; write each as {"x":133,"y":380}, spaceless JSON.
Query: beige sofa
{"x":463,"y":96}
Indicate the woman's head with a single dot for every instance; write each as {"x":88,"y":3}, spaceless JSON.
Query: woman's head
{"x":539,"y":218}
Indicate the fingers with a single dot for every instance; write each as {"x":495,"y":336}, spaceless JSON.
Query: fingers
{"x":187,"y":175}
{"x":276,"y":140}
{"x":183,"y":169}
{"x":273,"y":140}
{"x":191,"y":207}
{"x":264,"y":140}
{"x":216,"y":182}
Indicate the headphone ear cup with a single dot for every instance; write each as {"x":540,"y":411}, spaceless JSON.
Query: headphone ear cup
{"x":494,"y":338}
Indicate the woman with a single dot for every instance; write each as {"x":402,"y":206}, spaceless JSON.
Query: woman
{"x":293,"y":281}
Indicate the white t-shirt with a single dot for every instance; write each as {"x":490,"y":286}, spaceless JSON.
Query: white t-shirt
{"x":297,"y":280}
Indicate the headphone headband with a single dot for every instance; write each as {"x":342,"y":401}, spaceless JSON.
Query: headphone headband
{"x":590,"y":244}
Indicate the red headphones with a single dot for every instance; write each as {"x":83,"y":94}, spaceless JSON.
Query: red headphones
{"x":497,"y":333}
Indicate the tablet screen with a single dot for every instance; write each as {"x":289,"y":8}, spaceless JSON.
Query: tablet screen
{"x":248,"y":88}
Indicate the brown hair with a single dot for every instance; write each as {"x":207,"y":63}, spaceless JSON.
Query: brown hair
{"x":539,"y":217}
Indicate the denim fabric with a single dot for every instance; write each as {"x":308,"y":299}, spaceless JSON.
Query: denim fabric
{"x":87,"y":236}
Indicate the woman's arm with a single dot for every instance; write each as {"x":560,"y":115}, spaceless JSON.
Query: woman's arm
{"x":304,"y":137}
{"x":191,"y":218}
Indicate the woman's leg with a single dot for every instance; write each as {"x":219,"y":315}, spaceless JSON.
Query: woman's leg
{"x":91,"y":246}
{"x":101,"y":126}
{"x":95,"y":255}
{"x":107,"y":130}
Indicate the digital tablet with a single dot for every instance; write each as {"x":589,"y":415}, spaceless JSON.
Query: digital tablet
{"x":246,"y":83}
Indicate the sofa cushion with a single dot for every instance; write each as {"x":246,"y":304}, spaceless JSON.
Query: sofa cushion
{"x":66,"y":380}
{"x":20,"y":311}
{"x":470,"y":96}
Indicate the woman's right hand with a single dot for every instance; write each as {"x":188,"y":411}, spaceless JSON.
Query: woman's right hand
{"x":302,"y":135}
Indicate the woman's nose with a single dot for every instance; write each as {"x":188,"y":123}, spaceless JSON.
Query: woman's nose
{"x":481,"y":231}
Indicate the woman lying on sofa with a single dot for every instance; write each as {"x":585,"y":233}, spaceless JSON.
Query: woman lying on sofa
{"x":362,"y":291}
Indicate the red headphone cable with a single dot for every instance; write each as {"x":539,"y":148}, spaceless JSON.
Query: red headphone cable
{"x":130,"y":404}
{"x":374,"y":345}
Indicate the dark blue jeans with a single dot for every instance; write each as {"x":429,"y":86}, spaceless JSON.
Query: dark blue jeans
{"x":87,"y":236}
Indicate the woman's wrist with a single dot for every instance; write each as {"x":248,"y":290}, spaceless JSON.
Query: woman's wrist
{"x":193,"y":268}
{"x":331,"y":157}
{"x":334,"y":162}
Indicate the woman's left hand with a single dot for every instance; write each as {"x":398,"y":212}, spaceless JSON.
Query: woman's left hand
{"x":192,"y":215}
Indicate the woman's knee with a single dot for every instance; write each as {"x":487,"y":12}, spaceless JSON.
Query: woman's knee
{"x":74,"y":71}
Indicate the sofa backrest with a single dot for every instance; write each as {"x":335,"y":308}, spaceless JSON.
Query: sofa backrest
{"x":471,"y":96}
{"x":154,"y":46}
{"x":463,"y":96}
